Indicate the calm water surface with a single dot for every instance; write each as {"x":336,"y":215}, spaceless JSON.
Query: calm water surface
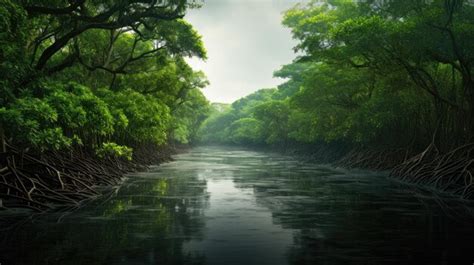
{"x":217,"y":205}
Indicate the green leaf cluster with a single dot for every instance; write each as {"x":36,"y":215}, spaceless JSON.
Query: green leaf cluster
{"x":102,"y":76}
{"x":377,"y":74}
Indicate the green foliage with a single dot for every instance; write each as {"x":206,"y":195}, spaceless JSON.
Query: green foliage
{"x":242,"y":123}
{"x":383,"y":74}
{"x":13,"y":37}
{"x":188,"y":116}
{"x":274,"y":116}
{"x":246,"y":131}
{"x":114,"y":150}
{"x":106,"y":81}
{"x":33,"y":121}
{"x":142,"y":118}
{"x":216,"y":128}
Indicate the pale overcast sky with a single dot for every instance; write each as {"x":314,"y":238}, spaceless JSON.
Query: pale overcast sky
{"x":246,"y":43}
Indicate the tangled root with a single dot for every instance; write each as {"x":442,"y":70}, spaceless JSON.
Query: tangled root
{"x":451,"y":172}
{"x":46,"y":181}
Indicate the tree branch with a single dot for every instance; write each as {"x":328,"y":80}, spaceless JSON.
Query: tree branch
{"x":101,"y":21}
{"x":39,"y":10}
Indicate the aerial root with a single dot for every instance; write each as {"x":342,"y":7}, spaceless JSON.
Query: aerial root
{"x":46,"y":181}
{"x":373,"y":159}
{"x":451,"y":172}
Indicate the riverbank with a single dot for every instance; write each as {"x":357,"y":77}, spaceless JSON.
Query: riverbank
{"x":53,"y":180}
{"x":447,"y":172}
{"x":217,"y":205}
{"x":340,"y":155}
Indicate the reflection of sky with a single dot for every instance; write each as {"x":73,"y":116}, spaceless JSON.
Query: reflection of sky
{"x":238,"y":231}
{"x":246,"y":43}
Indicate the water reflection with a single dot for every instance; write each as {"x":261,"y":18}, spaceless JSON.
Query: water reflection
{"x":238,"y":231}
{"x":146,"y":223}
{"x":357,"y":217}
{"x":218,"y":205}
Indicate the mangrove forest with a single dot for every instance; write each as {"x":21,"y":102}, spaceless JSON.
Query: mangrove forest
{"x":149,"y":132}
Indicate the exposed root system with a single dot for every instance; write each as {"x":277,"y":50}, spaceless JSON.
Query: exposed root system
{"x":46,"y":181}
{"x":372,"y":159}
{"x":451,"y":172}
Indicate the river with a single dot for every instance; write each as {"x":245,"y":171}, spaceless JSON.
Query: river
{"x":221,"y":205}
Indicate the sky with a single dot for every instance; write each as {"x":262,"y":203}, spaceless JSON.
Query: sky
{"x":246,"y":43}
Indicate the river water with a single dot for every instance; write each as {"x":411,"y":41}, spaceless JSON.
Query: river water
{"x":219,"y":205}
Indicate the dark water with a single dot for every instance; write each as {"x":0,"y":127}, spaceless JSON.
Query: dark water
{"x":217,"y":205}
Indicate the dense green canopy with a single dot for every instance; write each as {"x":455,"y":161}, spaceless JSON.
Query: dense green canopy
{"x":378,"y":74}
{"x":103,"y":76}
